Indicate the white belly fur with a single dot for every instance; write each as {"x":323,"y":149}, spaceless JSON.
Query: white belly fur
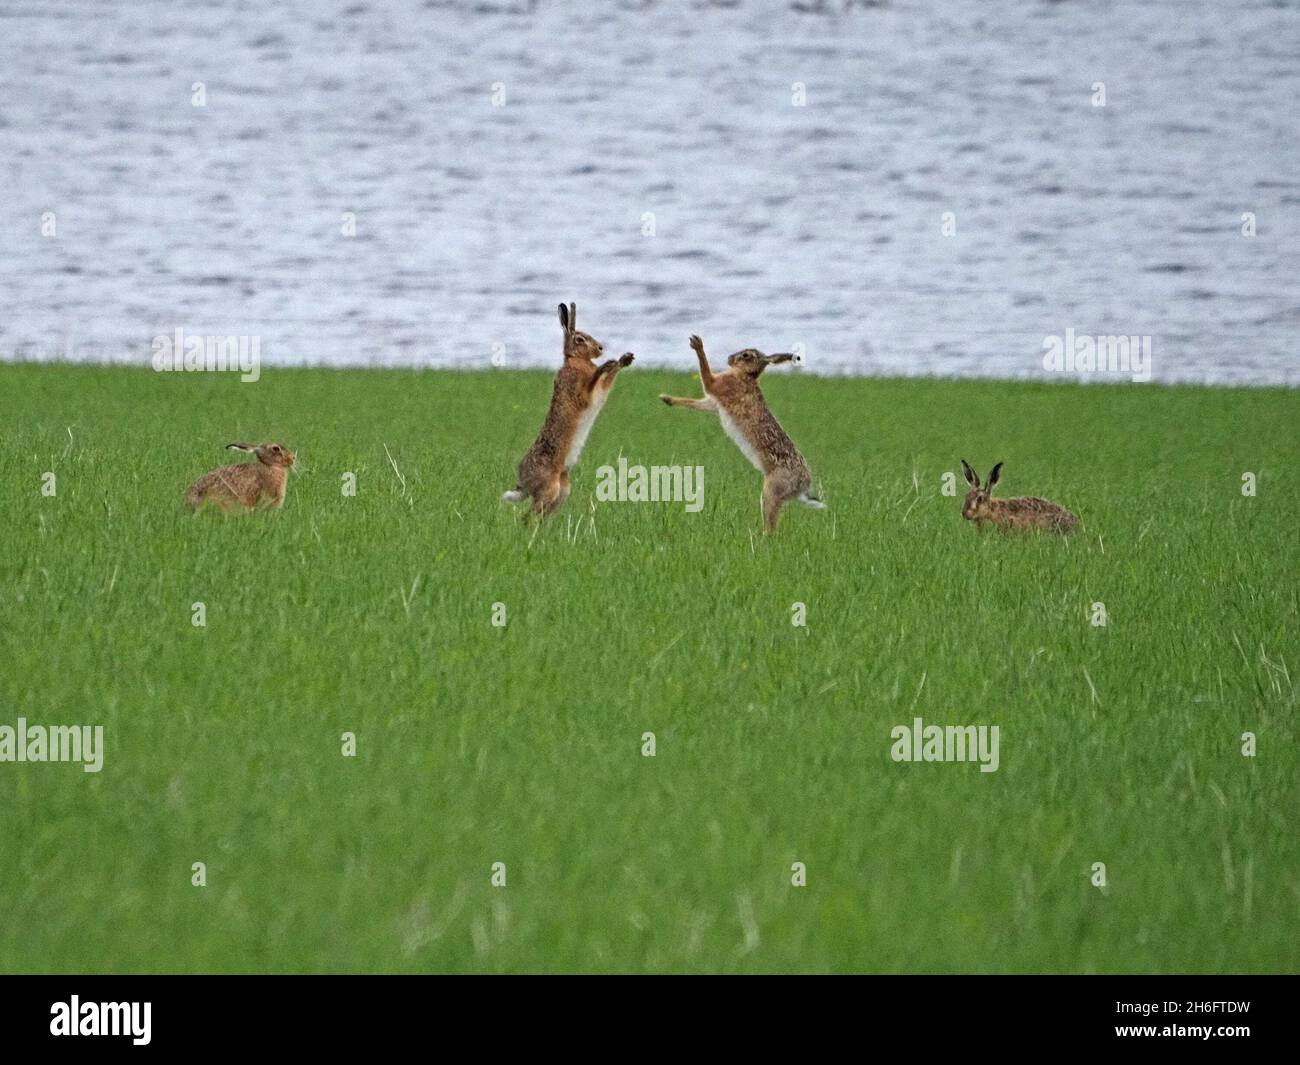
{"x":733,"y":430}
{"x":585,"y":421}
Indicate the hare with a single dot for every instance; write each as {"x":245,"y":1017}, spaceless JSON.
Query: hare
{"x":244,"y":483}
{"x":735,"y":396}
{"x":581,"y":388}
{"x":1026,"y":512}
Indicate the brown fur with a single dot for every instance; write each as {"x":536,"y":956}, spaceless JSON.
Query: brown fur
{"x":581,"y":386}
{"x":245,"y":483}
{"x":1023,"y":512}
{"x":745,"y":415}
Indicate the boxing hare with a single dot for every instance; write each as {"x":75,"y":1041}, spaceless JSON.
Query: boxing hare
{"x":581,"y":388}
{"x":735,"y":396}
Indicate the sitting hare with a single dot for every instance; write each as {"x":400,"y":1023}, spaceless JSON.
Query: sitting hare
{"x":581,"y":388}
{"x":1025,"y":512}
{"x":244,"y":483}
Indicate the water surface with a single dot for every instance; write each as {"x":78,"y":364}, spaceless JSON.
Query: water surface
{"x":774,"y":225}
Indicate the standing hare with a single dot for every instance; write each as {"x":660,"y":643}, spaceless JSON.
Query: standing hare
{"x":581,"y":388}
{"x":244,"y":483}
{"x":1025,"y":512}
{"x":735,"y":396}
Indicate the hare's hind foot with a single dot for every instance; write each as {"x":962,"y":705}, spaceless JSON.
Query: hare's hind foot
{"x":780,"y":487}
{"x":772,"y":502}
{"x":551,"y":498}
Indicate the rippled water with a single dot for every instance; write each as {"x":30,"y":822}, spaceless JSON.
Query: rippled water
{"x":773,"y":224}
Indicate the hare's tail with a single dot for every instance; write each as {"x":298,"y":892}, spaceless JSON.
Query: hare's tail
{"x":515,"y":495}
{"x":811,"y":501}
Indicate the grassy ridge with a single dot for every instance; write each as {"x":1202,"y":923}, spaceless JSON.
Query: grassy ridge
{"x":521,"y":745}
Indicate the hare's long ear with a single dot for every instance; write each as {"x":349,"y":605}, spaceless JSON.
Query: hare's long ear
{"x":995,"y":475}
{"x":573,"y":317}
{"x":242,"y":447}
{"x":971,"y":479}
{"x":564,"y":320}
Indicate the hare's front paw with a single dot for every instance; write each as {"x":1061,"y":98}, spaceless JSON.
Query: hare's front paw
{"x":668,"y":400}
{"x":697,"y":345}
{"x":626,"y":359}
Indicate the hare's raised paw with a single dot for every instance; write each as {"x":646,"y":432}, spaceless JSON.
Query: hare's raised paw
{"x":697,"y":344}
{"x":626,"y":359}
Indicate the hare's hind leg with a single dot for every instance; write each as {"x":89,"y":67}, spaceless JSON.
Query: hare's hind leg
{"x":774,"y":498}
{"x":565,"y":489}
{"x":779,"y":487}
{"x":772,"y":504}
{"x":552,"y":496}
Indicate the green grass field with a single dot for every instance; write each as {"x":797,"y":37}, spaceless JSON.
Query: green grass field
{"x":523,"y":745}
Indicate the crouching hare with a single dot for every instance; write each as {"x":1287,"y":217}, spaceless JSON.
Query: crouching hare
{"x":245,"y":483}
{"x":1025,"y":512}
{"x":581,"y":388}
{"x":735,"y":396}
